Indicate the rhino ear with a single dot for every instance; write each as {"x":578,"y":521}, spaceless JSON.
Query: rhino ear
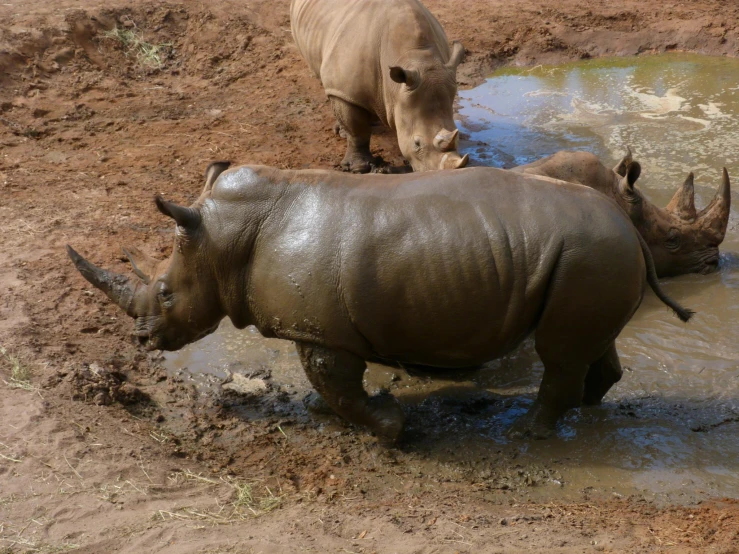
{"x":212,"y":172}
{"x":186,"y":218}
{"x":626,"y":185}
{"x":144,"y":266}
{"x":621,"y":166}
{"x":408,"y":77}
{"x":457,"y":55}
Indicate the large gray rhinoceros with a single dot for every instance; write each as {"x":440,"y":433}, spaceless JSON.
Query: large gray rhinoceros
{"x":447,"y":269}
{"x":388,"y":60}
{"x":681,"y":239}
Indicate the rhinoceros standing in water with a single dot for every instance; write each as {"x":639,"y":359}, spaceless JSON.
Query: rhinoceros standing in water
{"x":681,"y":239}
{"x":447,"y":269}
{"x":388,"y":60}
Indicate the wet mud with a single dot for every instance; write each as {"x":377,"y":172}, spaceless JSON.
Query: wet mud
{"x":218,"y":448}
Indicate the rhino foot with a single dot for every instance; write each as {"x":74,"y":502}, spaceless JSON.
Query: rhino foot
{"x":388,"y":417}
{"x":358,"y":162}
{"x":315,"y":404}
{"x":533,"y":425}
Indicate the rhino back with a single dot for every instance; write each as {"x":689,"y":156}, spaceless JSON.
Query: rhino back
{"x":350,"y":45}
{"x":428,"y":268}
{"x":584,"y":168}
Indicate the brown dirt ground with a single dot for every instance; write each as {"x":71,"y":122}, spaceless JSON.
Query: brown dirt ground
{"x":106,"y":452}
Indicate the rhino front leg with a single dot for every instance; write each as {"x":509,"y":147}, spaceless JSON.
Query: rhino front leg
{"x":602,"y":375}
{"x":337,"y":376}
{"x":356,"y":123}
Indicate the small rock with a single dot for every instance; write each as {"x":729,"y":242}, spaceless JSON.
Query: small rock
{"x":503,"y":521}
{"x":246,"y":386}
{"x":64,"y":55}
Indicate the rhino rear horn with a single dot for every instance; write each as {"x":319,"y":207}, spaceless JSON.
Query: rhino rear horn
{"x":117,"y":287}
{"x":212,"y":172}
{"x":144,"y":266}
{"x":716,"y":214}
{"x":683,"y":203}
{"x":446,"y":141}
{"x":457,"y":55}
{"x":408,"y":77}
{"x":186,"y":218}
{"x":621,"y":166}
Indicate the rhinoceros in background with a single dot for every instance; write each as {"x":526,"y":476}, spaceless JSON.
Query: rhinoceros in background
{"x":388,"y":60}
{"x":681,"y":239}
{"x":447,"y":269}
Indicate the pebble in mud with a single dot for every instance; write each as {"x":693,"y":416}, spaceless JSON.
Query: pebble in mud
{"x":245,"y":386}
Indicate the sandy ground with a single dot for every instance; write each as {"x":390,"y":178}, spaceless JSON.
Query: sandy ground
{"x":105,"y":452}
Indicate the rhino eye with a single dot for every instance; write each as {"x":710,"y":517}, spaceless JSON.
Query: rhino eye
{"x":165,"y":296}
{"x":417,"y":142}
{"x":673,"y":241}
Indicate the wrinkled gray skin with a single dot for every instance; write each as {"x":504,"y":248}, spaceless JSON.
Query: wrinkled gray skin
{"x":388,"y":60}
{"x":681,"y":239}
{"x":447,"y":269}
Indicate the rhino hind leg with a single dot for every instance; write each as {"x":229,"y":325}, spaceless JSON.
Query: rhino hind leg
{"x":337,"y":376}
{"x":602,"y":375}
{"x":356,"y":124}
{"x":561,"y":389}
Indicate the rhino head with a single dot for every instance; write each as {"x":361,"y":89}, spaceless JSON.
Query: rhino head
{"x":681,"y":238}
{"x":423,"y":112}
{"x":176,"y":301}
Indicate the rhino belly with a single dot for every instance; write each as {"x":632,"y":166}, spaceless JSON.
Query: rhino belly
{"x":445,"y":319}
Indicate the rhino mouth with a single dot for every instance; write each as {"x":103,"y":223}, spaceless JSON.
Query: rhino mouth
{"x":709,"y":263}
{"x":151,"y":340}
{"x":710,"y":266}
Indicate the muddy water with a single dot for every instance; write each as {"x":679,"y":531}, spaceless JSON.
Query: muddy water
{"x":670,"y":428}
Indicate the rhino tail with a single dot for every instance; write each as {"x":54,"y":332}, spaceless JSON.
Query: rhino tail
{"x":683,"y":313}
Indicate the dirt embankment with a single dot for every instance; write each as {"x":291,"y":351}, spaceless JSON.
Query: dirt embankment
{"x":105,"y":103}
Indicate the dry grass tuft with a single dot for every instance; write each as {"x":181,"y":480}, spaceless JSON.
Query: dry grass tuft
{"x":146,"y":53}
{"x":12,"y":540}
{"x":249,"y":500}
{"x":20,"y":373}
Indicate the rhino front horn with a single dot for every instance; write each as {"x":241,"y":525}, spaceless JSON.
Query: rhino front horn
{"x":462,"y":161}
{"x":117,"y":287}
{"x":452,"y":160}
{"x":716,"y":214}
{"x":683,"y":203}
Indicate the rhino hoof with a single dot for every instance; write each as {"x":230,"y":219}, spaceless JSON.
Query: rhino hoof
{"x":356,"y":167}
{"x":360,"y":162}
{"x":315,"y":404}
{"x":389,"y":419}
{"x":526,"y":428}
{"x":592,"y":400}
